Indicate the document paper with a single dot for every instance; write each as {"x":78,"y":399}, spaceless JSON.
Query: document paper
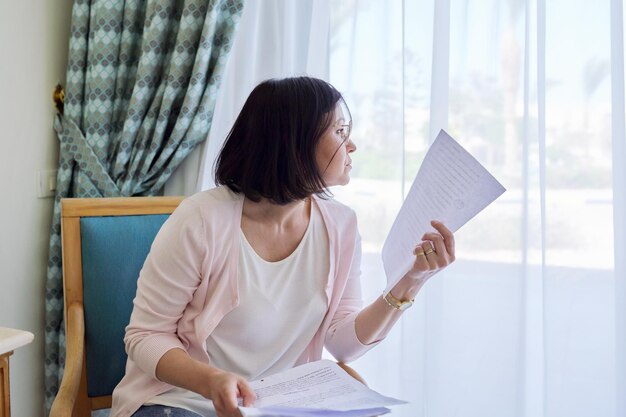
{"x":318,"y":388}
{"x":451,"y":186}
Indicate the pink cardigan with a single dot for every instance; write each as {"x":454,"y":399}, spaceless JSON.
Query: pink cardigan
{"x":189,"y":283}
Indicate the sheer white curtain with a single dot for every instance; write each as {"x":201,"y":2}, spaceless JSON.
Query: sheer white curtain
{"x":275,"y":38}
{"x":530,"y":320}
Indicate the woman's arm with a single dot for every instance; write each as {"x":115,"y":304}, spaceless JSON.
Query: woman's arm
{"x":375,"y":321}
{"x":168,"y":280}
{"x":177,"y":368}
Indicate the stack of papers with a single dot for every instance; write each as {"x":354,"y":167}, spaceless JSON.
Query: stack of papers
{"x":318,"y":388}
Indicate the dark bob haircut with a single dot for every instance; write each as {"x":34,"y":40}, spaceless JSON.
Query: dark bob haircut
{"x":270,"y":151}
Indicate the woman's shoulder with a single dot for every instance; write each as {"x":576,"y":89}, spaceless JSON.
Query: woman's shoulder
{"x":336,"y":213}
{"x":218,"y":196}
{"x":219,"y":202}
{"x":332,"y":204}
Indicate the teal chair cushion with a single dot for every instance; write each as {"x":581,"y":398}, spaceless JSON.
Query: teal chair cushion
{"x":113,"y":252}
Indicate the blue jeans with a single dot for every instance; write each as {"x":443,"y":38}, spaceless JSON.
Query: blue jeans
{"x":163,"y":411}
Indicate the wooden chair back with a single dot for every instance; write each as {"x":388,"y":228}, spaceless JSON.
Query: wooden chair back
{"x":105,"y":242}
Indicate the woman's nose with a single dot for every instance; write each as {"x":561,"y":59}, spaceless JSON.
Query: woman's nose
{"x":350,"y":146}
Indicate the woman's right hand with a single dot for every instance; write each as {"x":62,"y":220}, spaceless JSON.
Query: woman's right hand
{"x":223,"y":388}
{"x":177,"y":368}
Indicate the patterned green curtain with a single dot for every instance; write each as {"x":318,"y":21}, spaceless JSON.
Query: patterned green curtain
{"x":142,"y":81}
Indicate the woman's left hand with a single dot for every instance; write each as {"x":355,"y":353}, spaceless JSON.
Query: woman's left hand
{"x":434,"y":253}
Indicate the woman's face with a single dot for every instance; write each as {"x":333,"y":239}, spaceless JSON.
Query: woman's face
{"x":334,"y":149}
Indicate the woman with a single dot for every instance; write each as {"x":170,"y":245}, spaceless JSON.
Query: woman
{"x":259,"y":274}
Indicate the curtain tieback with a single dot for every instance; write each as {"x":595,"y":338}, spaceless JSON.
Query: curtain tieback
{"x":74,"y":144}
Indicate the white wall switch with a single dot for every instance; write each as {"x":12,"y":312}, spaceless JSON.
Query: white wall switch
{"x":46,"y":183}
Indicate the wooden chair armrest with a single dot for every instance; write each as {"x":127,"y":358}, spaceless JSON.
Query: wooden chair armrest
{"x":354,"y":374}
{"x":63,"y":404}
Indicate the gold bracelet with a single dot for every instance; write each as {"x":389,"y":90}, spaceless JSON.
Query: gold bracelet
{"x":397,"y":304}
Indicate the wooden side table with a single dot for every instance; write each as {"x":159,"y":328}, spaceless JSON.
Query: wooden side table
{"x":10,"y":339}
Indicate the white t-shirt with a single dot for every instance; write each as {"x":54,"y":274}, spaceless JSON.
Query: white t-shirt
{"x":281,"y":306}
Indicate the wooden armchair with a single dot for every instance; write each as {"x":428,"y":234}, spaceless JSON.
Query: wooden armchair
{"x":105,"y":243}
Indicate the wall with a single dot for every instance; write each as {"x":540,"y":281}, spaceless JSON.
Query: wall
{"x":33,"y":52}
